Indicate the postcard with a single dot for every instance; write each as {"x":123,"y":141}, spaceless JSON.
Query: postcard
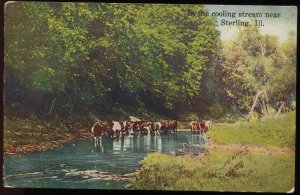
{"x":141,"y":96}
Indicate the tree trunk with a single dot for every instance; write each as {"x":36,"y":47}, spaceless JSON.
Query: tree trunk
{"x":254,"y":104}
{"x":264,"y":107}
{"x":51,"y":106}
{"x":266,"y":101}
{"x":280,"y":108}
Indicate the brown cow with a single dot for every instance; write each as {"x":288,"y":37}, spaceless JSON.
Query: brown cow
{"x":126,"y":127}
{"x":97,"y":130}
{"x":173,"y":125}
{"x":114,"y":128}
{"x":197,"y":126}
{"x":141,"y":126}
{"x":168,"y":125}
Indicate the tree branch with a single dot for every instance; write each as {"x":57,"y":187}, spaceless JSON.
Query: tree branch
{"x":51,"y":106}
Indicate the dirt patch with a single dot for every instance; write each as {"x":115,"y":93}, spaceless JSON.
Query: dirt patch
{"x":44,"y":145}
{"x":253,"y":148}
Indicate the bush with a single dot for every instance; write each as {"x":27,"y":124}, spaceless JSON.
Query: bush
{"x":217,"y":111}
{"x":293,"y":106}
{"x":216,"y":171}
{"x":192,"y":117}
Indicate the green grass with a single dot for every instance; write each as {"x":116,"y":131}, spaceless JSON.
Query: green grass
{"x":218,"y":171}
{"x":243,"y":170}
{"x":278,"y":131}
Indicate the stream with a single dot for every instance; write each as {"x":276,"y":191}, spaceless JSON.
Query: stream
{"x":79,"y":164}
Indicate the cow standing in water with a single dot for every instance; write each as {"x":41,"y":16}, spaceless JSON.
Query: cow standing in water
{"x":198,"y":127}
{"x":142,"y":127}
{"x":156,"y":127}
{"x":115,"y":128}
{"x":126,"y":127}
{"x":168,"y":125}
{"x":97,"y":131}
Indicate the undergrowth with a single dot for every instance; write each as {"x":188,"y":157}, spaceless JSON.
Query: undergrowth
{"x":217,"y":171}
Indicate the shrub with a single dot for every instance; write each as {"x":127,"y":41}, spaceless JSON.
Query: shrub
{"x":216,"y":171}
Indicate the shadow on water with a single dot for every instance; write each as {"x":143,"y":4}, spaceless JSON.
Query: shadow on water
{"x":81,"y":165}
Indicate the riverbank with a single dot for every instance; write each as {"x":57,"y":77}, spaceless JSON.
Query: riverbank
{"x":237,"y":171}
{"x":33,"y":135}
{"x":254,"y":156}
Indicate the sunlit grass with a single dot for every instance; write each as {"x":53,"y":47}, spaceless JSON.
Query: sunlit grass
{"x":278,"y":131}
{"x":217,"y":171}
{"x":240,"y":170}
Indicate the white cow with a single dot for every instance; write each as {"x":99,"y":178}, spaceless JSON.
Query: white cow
{"x":208,"y":125}
{"x":115,"y":128}
{"x":156,"y":126}
{"x":133,"y":119}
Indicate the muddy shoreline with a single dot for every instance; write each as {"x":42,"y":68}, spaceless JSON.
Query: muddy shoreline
{"x":46,"y":145}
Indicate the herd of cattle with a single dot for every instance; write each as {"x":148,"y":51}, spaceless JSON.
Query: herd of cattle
{"x":137,"y":126}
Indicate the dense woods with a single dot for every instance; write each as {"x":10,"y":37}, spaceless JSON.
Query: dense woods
{"x":67,"y":65}
{"x":67,"y":60}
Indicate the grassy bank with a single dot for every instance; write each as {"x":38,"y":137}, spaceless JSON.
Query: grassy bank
{"x":271,"y":131}
{"x":241,"y":169}
{"x":32,"y":134}
{"x":217,"y":171}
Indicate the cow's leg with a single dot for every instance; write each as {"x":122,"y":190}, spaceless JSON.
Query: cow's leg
{"x":98,"y":141}
{"x":157,"y":132}
{"x":112,"y":133}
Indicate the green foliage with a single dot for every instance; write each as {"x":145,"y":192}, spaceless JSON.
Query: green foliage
{"x":294,"y":105}
{"x":95,"y":57}
{"x":98,"y":55}
{"x":258,"y":62}
{"x":216,"y":171}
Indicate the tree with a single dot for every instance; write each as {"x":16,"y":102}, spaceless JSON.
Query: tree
{"x":81,"y":57}
{"x":256,"y":69}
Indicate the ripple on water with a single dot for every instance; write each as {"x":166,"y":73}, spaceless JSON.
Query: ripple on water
{"x":80,"y":165}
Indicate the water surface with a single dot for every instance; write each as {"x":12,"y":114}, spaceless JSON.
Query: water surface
{"x":79,"y":164}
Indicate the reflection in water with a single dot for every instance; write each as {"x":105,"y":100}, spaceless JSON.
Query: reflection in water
{"x":79,"y":164}
{"x":198,"y":139}
{"x":151,"y":143}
